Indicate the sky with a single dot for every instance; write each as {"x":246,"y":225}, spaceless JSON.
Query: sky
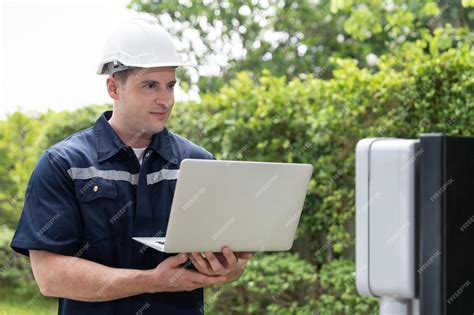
{"x":49,"y":51}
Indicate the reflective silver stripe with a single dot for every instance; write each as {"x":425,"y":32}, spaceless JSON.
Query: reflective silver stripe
{"x":156,"y":177}
{"x":91,"y":172}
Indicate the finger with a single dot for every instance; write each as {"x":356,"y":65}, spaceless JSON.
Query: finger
{"x":202,"y":263}
{"x":215,"y":263}
{"x":176,"y":260}
{"x":206,"y":285}
{"x":231,"y":259}
{"x":209,"y":282}
{"x":201,"y":279}
{"x":244,"y":255}
{"x":199,"y":263}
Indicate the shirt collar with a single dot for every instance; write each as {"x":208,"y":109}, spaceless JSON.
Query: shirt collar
{"x":109,"y":143}
{"x":161,"y":143}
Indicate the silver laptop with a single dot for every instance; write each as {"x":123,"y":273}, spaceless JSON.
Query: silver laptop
{"x":248,"y":206}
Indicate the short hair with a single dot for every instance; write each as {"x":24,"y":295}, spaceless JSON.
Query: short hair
{"x":123,"y":75}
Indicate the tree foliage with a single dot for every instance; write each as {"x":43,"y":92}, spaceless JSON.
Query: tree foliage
{"x":292,"y":38}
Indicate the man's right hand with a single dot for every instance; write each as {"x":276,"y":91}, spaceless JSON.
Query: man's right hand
{"x":171,"y":275}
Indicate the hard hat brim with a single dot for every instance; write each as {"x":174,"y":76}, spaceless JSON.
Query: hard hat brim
{"x":101,"y":69}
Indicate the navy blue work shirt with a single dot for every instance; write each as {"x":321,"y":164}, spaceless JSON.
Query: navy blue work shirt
{"x":88,"y":196}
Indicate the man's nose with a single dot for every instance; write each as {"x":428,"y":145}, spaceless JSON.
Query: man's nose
{"x":165,"y":101}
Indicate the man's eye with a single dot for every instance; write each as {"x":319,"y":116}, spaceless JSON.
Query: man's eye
{"x":150,"y":85}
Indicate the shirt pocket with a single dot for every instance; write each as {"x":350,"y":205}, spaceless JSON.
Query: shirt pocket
{"x":100,"y":207}
{"x":96,"y":188}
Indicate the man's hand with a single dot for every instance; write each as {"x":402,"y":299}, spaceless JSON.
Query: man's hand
{"x":172,"y":275}
{"x":228,"y":264}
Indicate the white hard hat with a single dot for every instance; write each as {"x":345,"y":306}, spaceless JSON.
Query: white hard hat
{"x":140,"y":42}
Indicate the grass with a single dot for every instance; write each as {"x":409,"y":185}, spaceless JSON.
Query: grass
{"x":14,"y":303}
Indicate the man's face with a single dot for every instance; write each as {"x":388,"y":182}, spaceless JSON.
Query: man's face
{"x":146,"y":99}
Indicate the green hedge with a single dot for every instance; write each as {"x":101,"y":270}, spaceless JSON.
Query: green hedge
{"x":15,"y":270}
{"x":271,"y":284}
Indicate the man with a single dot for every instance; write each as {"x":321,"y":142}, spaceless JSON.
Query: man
{"x":92,"y":192}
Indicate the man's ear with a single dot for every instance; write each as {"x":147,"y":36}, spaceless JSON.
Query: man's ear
{"x":112,"y":88}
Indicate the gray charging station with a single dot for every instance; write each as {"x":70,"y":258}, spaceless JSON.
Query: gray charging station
{"x":415,"y":224}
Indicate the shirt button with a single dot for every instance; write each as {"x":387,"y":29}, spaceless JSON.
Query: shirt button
{"x":95,"y":188}
{"x":148,"y":154}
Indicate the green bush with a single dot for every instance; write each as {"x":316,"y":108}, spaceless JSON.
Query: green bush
{"x":271,"y":284}
{"x":15,"y":270}
{"x":339,"y":296}
{"x":59,"y":125}
{"x":17,"y":136}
